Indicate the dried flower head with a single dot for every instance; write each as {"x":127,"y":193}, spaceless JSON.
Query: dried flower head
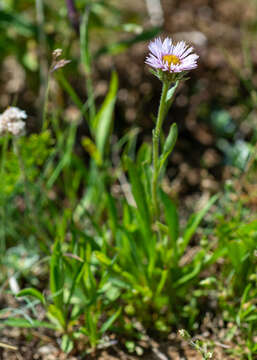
{"x":11,"y":121}
{"x":171,"y":58}
{"x":57,"y":53}
{"x":57,"y":64}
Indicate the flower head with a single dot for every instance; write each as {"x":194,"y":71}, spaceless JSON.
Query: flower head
{"x":56,"y":62}
{"x":11,"y":121}
{"x":171,"y":58}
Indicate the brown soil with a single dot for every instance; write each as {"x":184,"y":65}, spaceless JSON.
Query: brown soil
{"x":36,"y":345}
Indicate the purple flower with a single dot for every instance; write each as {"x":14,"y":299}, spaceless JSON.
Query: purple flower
{"x":174,"y":58}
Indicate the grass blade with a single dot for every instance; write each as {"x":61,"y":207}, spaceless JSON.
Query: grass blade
{"x":103,"y":121}
{"x":193,"y":223}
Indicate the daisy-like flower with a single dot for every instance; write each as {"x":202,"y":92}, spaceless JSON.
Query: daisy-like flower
{"x":11,"y":121}
{"x":171,"y":58}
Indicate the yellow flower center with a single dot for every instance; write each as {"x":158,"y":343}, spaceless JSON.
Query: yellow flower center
{"x":171,"y":59}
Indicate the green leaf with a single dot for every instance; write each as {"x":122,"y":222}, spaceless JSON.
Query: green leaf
{"x":72,"y":93}
{"x":91,"y":326}
{"x":86,"y":238}
{"x":91,"y":148}
{"x":77,"y":276}
{"x":172,"y":220}
{"x":112,"y":211}
{"x":103,"y":120}
{"x":194,"y":222}
{"x":66,"y":157}
{"x":110,"y":321}
{"x":144,"y":155}
{"x":170,"y":97}
{"x":169,"y":144}
{"x":171,"y":92}
{"x":236,"y":253}
{"x":103,"y":258}
{"x":56,"y":316}
{"x":245,"y":294}
{"x":32,"y":292}
{"x":17,"y":22}
{"x":56,"y":275}
{"x":138,"y":191}
{"x":24,"y":323}
{"x":84,"y":41}
{"x":67,"y":344}
{"x":162,"y":282}
{"x":189,"y":276}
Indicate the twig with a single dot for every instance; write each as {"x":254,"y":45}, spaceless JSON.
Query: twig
{"x":7,"y":346}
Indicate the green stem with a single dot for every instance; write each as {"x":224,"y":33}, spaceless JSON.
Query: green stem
{"x":74,"y":97}
{"x":156,"y":141}
{"x":3,"y":207}
{"x":4,"y":150}
{"x":45,"y":121}
{"x":86,"y":60}
{"x":91,"y":100}
{"x":43,"y":68}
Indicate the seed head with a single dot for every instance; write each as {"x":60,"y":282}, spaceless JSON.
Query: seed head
{"x":56,"y":62}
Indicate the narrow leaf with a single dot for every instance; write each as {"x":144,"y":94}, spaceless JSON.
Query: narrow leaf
{"x":32,"y":292}
{"x":189,"y":276}
{"x":84,"y":41}
{"x":110,"y":321}
{"x":24,"y":323}
{"x":194,"y":222}
{"x":56,"y":275}
{"x":172,"y":220}
{"x":138,"y":191}
{"x":103,"y":120}
{"x":66,"y":344}
{"x":91,"y":148}
{"x":17,"y":22}
{"x":171,"y":92}
{"x":169,"y":144}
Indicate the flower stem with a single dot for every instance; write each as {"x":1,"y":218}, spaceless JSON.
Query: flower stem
{"x":43,"y":67}
{"x":156,"y":141}
{"x":86,"y":60}
{"x":45,"y":121}
{"x":2,"y":198}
